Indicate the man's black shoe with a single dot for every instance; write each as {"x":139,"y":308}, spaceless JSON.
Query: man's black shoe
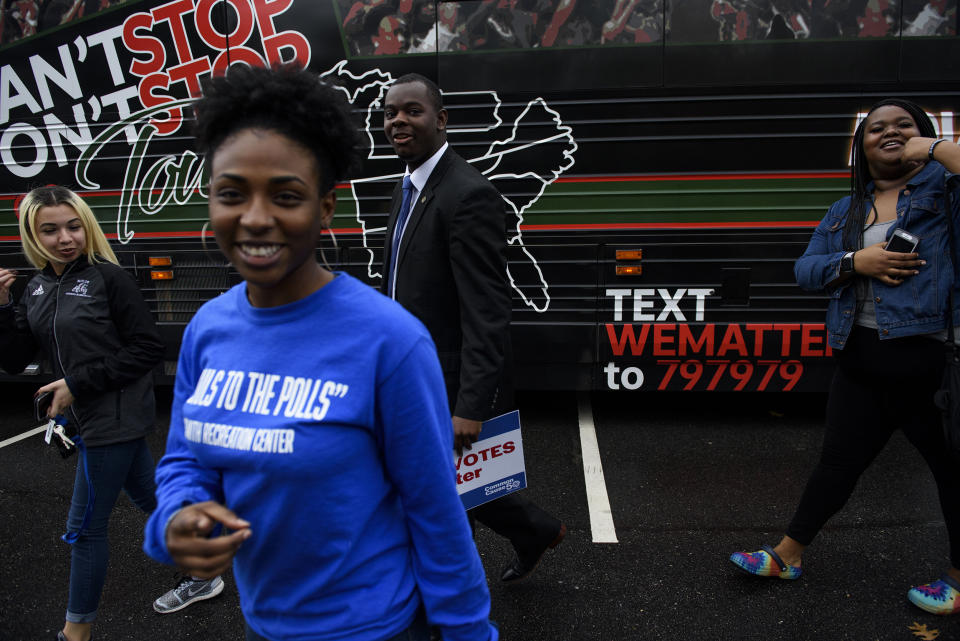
{"x":522,"y":567}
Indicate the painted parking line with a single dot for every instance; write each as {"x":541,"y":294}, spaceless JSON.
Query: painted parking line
{"x":20,"y":437}
{"x":601,"y":518}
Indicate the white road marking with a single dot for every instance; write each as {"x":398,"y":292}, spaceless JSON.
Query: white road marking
{"x":601,"y":518}
{"x":20,"y":437}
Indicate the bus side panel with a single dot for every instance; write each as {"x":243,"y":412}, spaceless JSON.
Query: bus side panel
{"x":663,"y":163}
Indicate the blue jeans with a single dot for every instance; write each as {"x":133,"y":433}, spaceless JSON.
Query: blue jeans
{"x":121,"y":466}
{"x":418,"y":631}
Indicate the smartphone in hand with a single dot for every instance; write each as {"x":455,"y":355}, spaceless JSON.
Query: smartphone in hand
{"x":902,"y":242}
{"x":41,"y":403}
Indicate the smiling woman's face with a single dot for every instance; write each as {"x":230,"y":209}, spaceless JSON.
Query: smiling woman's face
{"x":61,"y":233}
{"x":885,"y":133}
{"x":267,"y":213}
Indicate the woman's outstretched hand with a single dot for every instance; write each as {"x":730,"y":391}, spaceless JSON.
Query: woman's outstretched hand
{"x":189,"y":545}
{"x":890,"y":268}
{"x":7,"y":276}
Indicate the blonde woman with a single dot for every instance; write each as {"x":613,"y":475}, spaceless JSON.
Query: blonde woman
{"x":87,"y":316}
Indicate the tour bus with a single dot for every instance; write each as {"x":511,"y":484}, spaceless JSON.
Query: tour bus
{"x":663,"y":162}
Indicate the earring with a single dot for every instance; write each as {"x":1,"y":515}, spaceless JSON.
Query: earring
{"x":214,"y":257}
{"x":323,"y":256}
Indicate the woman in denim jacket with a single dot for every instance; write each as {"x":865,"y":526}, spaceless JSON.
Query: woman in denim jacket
{"x":886,"y":320}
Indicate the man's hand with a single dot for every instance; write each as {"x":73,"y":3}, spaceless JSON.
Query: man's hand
{"x":192,"y":551}
{"x":465,"y":433}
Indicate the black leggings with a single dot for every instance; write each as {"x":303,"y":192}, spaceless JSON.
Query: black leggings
{"x":879,"y":386}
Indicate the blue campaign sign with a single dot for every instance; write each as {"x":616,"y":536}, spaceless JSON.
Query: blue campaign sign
{"x":494,"y":465}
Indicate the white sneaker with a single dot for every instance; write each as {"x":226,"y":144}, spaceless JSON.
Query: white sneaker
{"x":188,"y":590}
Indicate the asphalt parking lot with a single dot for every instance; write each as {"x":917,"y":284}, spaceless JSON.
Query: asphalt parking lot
{"x":689,"y":479}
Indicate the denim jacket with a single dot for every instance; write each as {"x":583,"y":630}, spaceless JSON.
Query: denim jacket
{"x":918,"y":305}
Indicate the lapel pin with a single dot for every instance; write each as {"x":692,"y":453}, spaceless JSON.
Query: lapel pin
{"x":423,"y":199}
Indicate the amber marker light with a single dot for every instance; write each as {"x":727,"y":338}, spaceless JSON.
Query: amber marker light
{"x":160,"y":261}
{"x":629,"y":270}
{"x":161,"y":274}
{"x":629,"y":254}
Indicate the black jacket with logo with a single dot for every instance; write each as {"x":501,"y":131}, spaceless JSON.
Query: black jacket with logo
{"x":94,"y":326}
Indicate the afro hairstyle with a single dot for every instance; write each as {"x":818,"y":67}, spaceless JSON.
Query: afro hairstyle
{"x":288,"y":100}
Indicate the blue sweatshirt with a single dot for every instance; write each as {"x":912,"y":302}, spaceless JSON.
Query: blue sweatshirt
{"x":324,"y":423}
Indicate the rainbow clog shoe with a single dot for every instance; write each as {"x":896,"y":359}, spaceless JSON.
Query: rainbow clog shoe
{"x":938,"y":597}
{"x":765,"y":562}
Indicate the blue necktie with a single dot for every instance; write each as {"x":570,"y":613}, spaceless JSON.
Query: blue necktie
{"x":407,"y":188}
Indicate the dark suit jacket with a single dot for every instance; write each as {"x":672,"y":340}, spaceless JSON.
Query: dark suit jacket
{"x":451,"y":274}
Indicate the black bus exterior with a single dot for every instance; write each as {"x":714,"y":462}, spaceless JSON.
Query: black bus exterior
{"x":664,"y":162}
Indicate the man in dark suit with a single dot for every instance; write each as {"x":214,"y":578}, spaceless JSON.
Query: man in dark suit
{"x":445,"y":261}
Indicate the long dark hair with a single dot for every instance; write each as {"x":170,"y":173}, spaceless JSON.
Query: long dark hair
{"x":860,"y":171}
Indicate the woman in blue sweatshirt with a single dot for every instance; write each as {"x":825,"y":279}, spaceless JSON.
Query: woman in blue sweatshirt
{"x":310,"y":425}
